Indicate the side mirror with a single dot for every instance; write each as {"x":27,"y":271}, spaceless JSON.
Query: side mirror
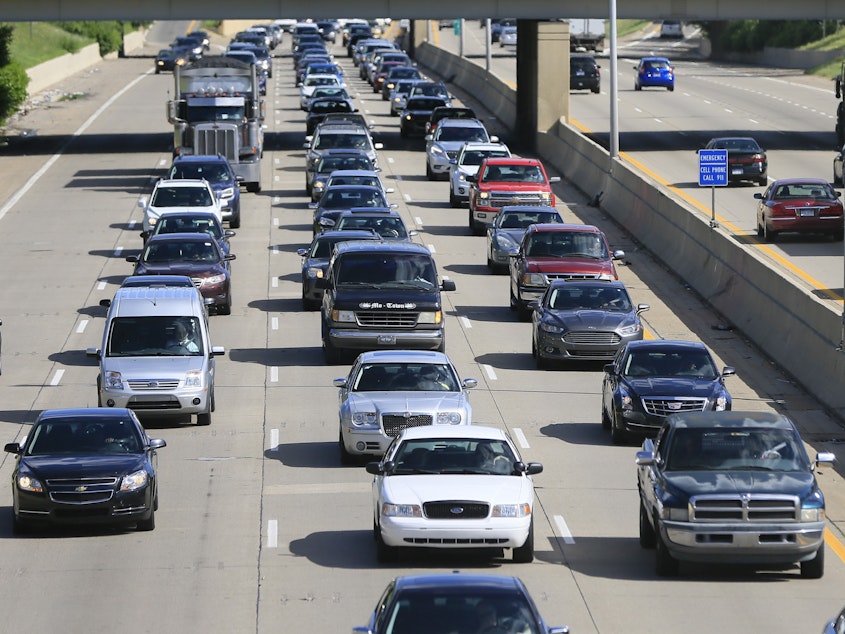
{"x":554,"y":179}
{"x":618,"y":254}
{"x":132,"y":258}
{"x":759,"y":196}
{"x":92,"y":352}
{"x":728,"y":371}
{"x":641,"y":308}
{"x":608,"y":368}
{"x":448,"y":285}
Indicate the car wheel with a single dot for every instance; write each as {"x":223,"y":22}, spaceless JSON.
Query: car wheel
{"x":454,"y":201}
{"x":768,"y":234}
{"x":18,"y":527}
{"x":762,"y":181}
{"x":617,"y":434}
{"x":665,"y":564}
{"x":403,"y":132}
{"x":384,"y":554}
{"x":99,"y":387}
{"x":330,"y":353}
{"x":225,"y":309}
{"x":253,"y":188}
{"x":637,"y":87}
{"x":513,"y":302}
{"x":814,"y":568}
{"x":428,"y":173}
{"x":309,"y":304}
{"x":596,"y":90}
{"x":605,"y":419}
{"x":670,"y":88}
{"x":235,"y":221}
{"x":525,"y":554}
{"x":149,"y":523}
{"x":648,"y":538}
{"x":346,"y":458}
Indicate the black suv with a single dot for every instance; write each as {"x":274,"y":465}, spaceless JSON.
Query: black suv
{"x":584,"y":73}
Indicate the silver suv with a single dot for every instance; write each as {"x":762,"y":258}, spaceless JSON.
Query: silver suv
{"x":443,"y":146}
{"x":340,"y":136}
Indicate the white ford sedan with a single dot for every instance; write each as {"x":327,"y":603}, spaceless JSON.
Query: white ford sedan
{"x":453,"y":487}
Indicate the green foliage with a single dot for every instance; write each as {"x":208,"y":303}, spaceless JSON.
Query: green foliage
{"x":7,"y":31}
{"x":13,"y":83}
{"x":109,"y":35}
{"x":746,"y":36}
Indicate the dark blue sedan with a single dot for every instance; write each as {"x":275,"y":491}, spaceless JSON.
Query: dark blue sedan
{"x":85,"y":466}
{"x":654,"y":72}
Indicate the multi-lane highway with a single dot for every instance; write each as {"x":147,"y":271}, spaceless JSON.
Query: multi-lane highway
{"x":260,"y":529}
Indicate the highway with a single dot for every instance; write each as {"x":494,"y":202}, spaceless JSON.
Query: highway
{"x":260,"y":529}
{"x":791,"y":115}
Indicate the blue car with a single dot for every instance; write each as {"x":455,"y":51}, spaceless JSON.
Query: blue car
{"x":654,"y":72}
{"x":217,"y":171}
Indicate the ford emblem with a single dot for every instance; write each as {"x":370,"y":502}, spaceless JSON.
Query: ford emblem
{"x":456,"y":510}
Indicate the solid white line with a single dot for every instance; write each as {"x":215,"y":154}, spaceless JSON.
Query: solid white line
{"x":57,"y":377}
{"x":275,"y":250}
{"x":34,"y":178}
{"x":465,"y":322}
{"x":274,"y":374}
{"x":274,"y":439}
{"x":520,"y":438}
{"x":563,"y":529}
{"x":489,"y":370}
{"x":81,"y":327}
{"x":390,"y":160}
{"x":274,"y":323}
{"x":272,"y":533}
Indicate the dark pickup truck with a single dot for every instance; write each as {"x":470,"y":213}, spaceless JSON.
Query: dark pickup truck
{"x":731,"y":487}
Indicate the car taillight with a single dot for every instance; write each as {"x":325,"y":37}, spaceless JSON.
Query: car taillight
{"x":757,"y":158}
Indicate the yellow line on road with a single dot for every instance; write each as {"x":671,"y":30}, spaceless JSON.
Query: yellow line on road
{"x":833,"y":541}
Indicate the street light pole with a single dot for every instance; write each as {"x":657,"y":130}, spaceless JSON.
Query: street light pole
{"x":614,"y":90}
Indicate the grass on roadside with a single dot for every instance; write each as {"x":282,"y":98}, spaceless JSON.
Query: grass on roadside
{"x":37,"y":42}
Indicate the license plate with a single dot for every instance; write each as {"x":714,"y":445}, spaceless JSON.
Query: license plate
{"x":387,"y":340}
{"x":806,"y":213}
{"x":736,"y":171}
{"x":579,"y":73}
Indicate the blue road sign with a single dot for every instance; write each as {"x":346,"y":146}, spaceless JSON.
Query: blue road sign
{"x":712,"y":168}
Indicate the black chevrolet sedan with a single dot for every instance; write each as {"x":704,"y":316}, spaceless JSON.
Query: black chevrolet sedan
{"x":85,"y":466}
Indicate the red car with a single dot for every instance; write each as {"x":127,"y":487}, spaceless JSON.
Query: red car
{"x":799,"y":205}
{"x":558,"y":251}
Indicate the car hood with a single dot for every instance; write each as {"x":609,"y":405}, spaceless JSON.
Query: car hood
{"x":407,"y":402}
{"x":589,"y":319}
{"x":736,"y":482}
{"x":672,"y":386}
{"x":156,"y":212}
{"x":375,"y":299}
{"x":580,"y":266}
{"x":513,"y":234}
{"x":508,"y":186}
{"x":82,"y":465}
{"x":423,"y":488}
{"x":159,"y":366}
{"x":469,"y":170}
{"x":191,"y":269}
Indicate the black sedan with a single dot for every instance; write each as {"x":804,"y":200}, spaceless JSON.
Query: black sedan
{"x":416,"y":114}
{"x":457,"y":602}
{"x":170,"y":58}
{"x":746,"y":159}
{"x":196,"y":255}
{"x":85,"y":466}
{"x":651,"y":379}
{"x":319,"y":108}
{"x":583,"y":320}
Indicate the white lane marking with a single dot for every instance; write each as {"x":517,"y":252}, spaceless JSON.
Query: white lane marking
{"x":118,"y":251}
{"x":272,"y":533}
{"x":274,"y":323}
{"x":81,"y":327}
{"x":407,"y":197}
{"x":563,"y":529}
{"x":275,"y":250}
{"x":277,"y":160}
{"x":57,"y":377}
{"x":466,"y":323}
{"x":275,"y":222}
{"x":276,"y":178}
{"x":274,"y":440}
{"x":163,"y":162}
{"x":488,"y":369}
{"x":390,"y":160}
{"x":131,"y":225}
{"x":753,"y":121}
{"x":101,"y":286}
{"x":520,"y":438}
{"x":94,"y":117}
{"x":656,"y":120}
{"x":274,"y":374}
{"x":276,"y":201}
{"x":419,"y":221}
{"x":274,"y":282}
{"x":431,"y":248}
{"x":729,"y":111}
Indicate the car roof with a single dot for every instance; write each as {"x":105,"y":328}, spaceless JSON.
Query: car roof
{"x":665,"y":344}
{"x":354,"y":173}
{"x":564,"y":227}
{"x":381,"y":247}
{"x":791,"y":181}
{"x":529,"y":209}
{"x":403,"y":356}
{"x":199,"y":158}
{"x":343,"y":152}
{"x":452,"y":431}
{"x":475,"y":145}
{"x":513,"y":160}
{"x":654,"y":59}
{"x":478,"y":581}
{"x":134,"y":281}
{"x":182,"y":182}
{"x":339,"y":187}
{"x":348,"y":234}
{"x":448,"y":122}
{"x":98,"y":413}
{"x":586,"y":283}
{"x":193,"y":213}
{"x":181,"y":237}
{"x":731,"y":419}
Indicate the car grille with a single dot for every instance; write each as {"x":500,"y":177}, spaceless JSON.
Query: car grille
{"x":572,"y":276}
{"x":452,"y":154}
{"x":394,"y":423}
{"x":456,"y":510}
{"x":730,"y":508}
{"x":593,"y":337}
{"x":387,"y":318}
{"x":211,"y":141}
{"x":502,"y":199}
{"x":81,"y":490}
{"x":146,"y":385}
{"x":665,"y":405}
{"x":197,"y":282}
{"x":459,"y":541}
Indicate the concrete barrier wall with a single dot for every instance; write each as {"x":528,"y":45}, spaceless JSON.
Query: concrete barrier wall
{"x":799,"y":331}
{"x":46,"y":74}
{"x":134,"y":41}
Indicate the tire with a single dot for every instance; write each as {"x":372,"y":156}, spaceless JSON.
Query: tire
{"x":346,"y":458}
{"x":814,"y":568}
{"x":454,"y":201}
{"x":763,"y":181}
{"x":759,"y":231}
{"x":330,"y":353}
{"x":99,"y":387}
{"x":254,"y":187}
{"x":768,"y":234}
{"x":148,"y":524}
{"x":224,"y":309}
{"x":309,"y":304}
{"x":596,"y":90}
{"x":665,"y":564}
{"x":513,"y":302}
{"x":18,"y":527}
{"x":670,"y":88}
{"x":648,"y":538}
{"x":637,"y":87}
{"x":617,"y":435}
{"x":525,"y":554}
{"x":235,"y":221}
{"x":428,"y":173}
{"x":384,"y":554}
{"x":204,"y":419}
{"x":605,"y":419}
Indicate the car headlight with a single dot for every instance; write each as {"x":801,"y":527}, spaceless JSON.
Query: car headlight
{"x":113,"y":381}
{"x":193,"y":378}
{"x":505,"y":242}
{"x":606,"y":277}
{"x":134,"y":481}
{"x":675,"y":513}
{"x":462,"y":176}
{"x":812,"y":514}
{"x":721,"y":404}
{"x":434,"y":317}
{"x":28,"y":483}
{"x":397,"y":100}
{"x":627,"y":331}
{"x":437,"y":151}
{"x":448,"y":418}
{"x":533,"y":279}
{"x":511,"y":510}
{"x":407,"y":117}
{"x":214,"y":279}
{"x":547,"y":327}
{"x":314,"y":273}
{"x":546,"y":196}
{"x":364,"y":418}
{"x":483,"y":195}
{"x":401,"y":510}
{"x":229,"y":192}
{"x":626,"y":401}
{"x":346,"y":316}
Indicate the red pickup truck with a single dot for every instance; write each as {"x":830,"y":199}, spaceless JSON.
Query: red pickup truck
{"x":507,"y":181}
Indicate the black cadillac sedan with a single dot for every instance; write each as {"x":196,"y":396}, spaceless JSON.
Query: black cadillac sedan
{"x":85,"y":466}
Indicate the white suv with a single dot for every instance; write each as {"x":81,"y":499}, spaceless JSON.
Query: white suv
{"x":443,"y":146}
{"x":466,"y":164}
{"x":184,"y":194}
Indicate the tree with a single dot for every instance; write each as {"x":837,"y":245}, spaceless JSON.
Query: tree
{"x":13,"y":77}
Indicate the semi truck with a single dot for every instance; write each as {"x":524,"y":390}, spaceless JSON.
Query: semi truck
{"x":217,"y":109}
{"x":840,"y":108}
{"x":586,"y":35}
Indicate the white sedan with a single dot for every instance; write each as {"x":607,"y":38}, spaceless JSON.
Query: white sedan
{"x":453,"y":487}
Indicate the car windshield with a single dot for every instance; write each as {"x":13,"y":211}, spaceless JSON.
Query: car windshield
{"x":657,"y":65}
{"x":387,"y":226}
{"x":514,"y":174}
{"x":461,"y":134}
{"x":613,"y":299}
{"x":732,"y":449}
{"x":524,"y":219}
{"x":475,"y":157}
{"x":174,"y":223}
{"x":84,"y":436}
{"x":154,"y":336}
{"x":181,"y":197}
{"x":423,"y":103}
{"x":454,"y":455}
{"x":321,"y":81}
{"x":157,"y":252}
{"x":329,"y":91}
{"x":738,"y":145}
{"x":212,"y":172}
{"x":697,"y":364}
{"x":461,"y":609}
{"x":562,"y":244}
{"x":363,"y":179}
{"x":330,"y":106}
{"x":342,"y":198}
{"x":387,"y":270}
{"x":329,"y":164}
{"x":343,"y":141}
{"x":202,"y":114}
{"x":405,"y":377}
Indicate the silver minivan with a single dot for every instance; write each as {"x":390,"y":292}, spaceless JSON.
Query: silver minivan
{"x":156,"y":356}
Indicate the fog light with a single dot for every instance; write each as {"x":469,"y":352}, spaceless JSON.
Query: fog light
{"x":196,"y":401}
{"x":360,"y":446}
{"x":110,"y":402}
